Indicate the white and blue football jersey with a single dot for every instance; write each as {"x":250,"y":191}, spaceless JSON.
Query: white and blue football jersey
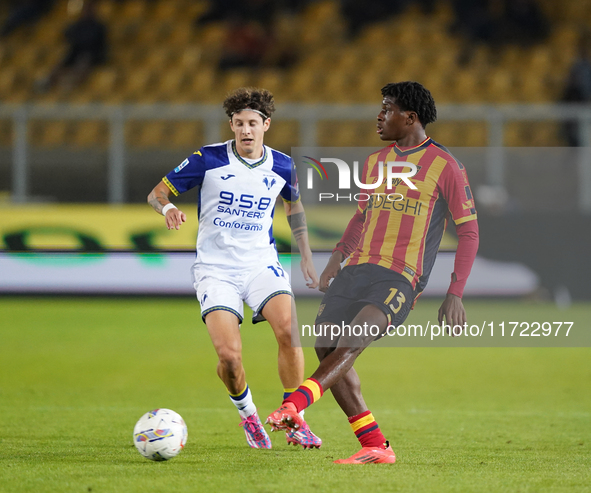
{"x":236,"y":202}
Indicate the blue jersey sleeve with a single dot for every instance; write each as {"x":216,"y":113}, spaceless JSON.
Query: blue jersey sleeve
{"x":188,"y":174}
{"x":285,"y":167}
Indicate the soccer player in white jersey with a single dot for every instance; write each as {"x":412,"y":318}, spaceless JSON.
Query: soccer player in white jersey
{"x":236,"y":259}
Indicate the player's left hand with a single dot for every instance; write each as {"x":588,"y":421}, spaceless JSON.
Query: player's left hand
{"x":452,"y":309}
{"x":309,"y":272}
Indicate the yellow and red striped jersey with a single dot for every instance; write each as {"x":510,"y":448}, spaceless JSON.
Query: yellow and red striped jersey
{"x":404,"y":234}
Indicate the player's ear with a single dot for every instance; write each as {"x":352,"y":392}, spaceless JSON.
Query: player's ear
{"x":411,"y":118}
{"x":266,"y":124}
{"x":231,"y":124}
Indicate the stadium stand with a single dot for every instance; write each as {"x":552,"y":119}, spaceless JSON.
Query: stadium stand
{"x":158,"y":54}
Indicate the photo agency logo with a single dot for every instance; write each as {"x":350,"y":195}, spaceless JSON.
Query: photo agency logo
{"x":394,"y":173}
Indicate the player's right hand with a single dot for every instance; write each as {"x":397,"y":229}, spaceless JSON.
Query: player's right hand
{"x":174,"y":218}
{"x":331,"y":271}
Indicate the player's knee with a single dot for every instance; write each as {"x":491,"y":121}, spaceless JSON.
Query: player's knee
{"x":285,"y":323}
{"x":283,"y":329}
{"x":230,"y":361}
{"x":284,"y":338}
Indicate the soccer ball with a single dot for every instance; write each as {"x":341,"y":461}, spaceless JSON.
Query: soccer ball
{"x":160,"y":434}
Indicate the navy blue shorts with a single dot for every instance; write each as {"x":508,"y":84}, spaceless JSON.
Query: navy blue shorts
{"x":363,"y":284}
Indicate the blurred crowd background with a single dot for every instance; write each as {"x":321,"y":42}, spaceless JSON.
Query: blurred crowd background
{"x":308,"y":51}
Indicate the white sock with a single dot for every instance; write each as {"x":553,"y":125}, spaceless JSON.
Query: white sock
{"x":243,"y":403}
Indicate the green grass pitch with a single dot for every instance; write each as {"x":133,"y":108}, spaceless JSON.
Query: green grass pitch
{"x":76,"y":374}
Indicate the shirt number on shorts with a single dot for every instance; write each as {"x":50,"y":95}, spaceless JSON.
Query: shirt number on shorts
{"x":400,"y":299}
{"x":278,"y":271}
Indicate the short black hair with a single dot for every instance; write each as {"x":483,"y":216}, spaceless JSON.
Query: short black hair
{"x":250,"y":97}
{"x":412,"y":96}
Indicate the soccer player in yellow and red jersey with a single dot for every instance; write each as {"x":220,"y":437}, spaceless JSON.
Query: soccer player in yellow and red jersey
{"x":390,"y":243}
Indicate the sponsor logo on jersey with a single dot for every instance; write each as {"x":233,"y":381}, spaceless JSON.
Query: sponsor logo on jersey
{"x":237,"y":225}
{"x":181,"y":166}
{"x":406,"y":205}
{"x":227,"y":177}
{"x":241,"y":212}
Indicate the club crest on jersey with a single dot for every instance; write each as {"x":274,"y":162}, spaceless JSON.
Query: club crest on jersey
{"x":181,"y":166}
{"x":269,"y":184}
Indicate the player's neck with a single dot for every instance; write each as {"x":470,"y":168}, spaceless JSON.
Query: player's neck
{"x":412,"y":140}
{"x":257,"y":152}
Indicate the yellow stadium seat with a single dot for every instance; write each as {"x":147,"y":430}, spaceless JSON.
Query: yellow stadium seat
{"x":346,"y":134}
{"x":337,"y":88}
{"x":283,"y":135}
{"x":446,"y":133}
{"x":517,"y":134}
{"x":368,"y":85}
{"x":170,"y":86}
{"x":499,"y":87}
{"x":546,"y":134}
{"x":321,"y":12}
{"x":464,"y":87}
{"x":459,"y":134}
{"x":200,"y":85}
{"x":303,"y":86}
{"x":90,"y":134}
{"x":106,"y":10}
{"x":133,"y":10}
{"x":148,"y":134}
{"x":236,"y":78}
{"x":475,"y":134}
{"x":190,"y":58}
{"x":271,"y":79}
{"x":8,"y":80}
{"x":182,"y":37}
{"x":137,"y":83}
{"x":102,"y":83}
{"x":165,"y":10}
{"x":533,"y":88}
{"x":212,"y":37}
{"x":378,"y":34}
{"x":186,"y":135}
{"x":51,"y":133}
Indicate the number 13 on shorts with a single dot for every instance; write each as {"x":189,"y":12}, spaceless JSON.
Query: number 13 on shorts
{"x":400,"y":299}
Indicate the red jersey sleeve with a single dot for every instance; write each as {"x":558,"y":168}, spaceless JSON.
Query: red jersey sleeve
{"x":465,"y":255}
{"x":455,"y":189}
{"x":458,"y":195}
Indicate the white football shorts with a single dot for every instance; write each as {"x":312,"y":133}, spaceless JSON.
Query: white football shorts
{"x":221,"y":290}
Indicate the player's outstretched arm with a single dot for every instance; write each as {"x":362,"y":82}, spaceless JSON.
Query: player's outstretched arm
{"x":296,"y":217}
{"x":452,"y":308}
{"x":159,"y":200}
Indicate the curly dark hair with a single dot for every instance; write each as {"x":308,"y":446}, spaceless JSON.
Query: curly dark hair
{"x":250,"y":97}
{"x":412,"y":96}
